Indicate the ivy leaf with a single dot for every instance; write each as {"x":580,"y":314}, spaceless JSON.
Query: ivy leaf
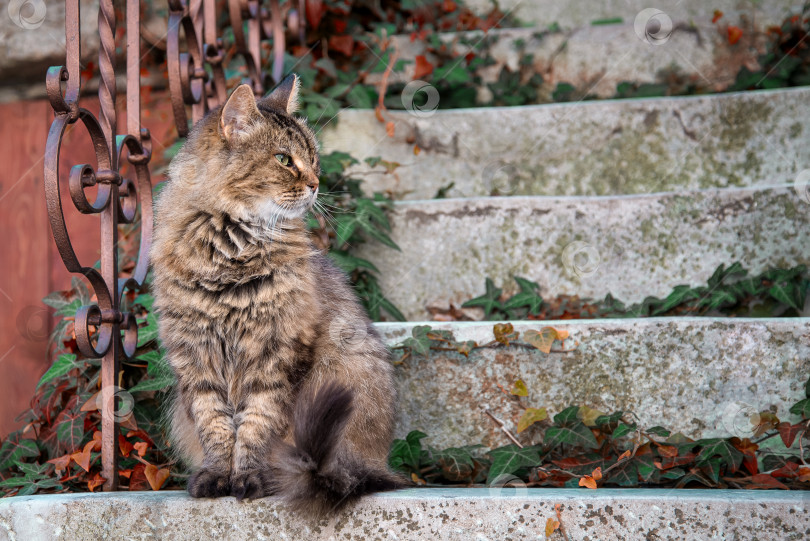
{"x":589,"y":415}
{"x":544,"y":339}
{"x":153,"y":384}
{"x":789,"y":293}
{"x":576,"y":434}
{"x":719,"y":447}
{"x":456,"y":464}
{"x":801,"y":408}
{"x":531,"y":416}
{"x":623,"y":430}
{"x":680,"y":295}
{"x":567,"y":416}
{"x":611,"y":419}
{"x":527,"y":297}
{"x":349,"y":263}
{"x":504,"y":333}
{"x":15,"y":448}
{"x":405,"y":454}
{"x":519,"y":389}
{"x":466,"y":347}
{"x":569,"y":430}
{"x":489,"y":301}
{"x":509,"y":459}
{"x":70,"y":429}
{"x":148,"y":332}
{"x":419,"y":342}
{"x":63,"y":364}
{"x":659,"y":431}
{"x":624,"y":475}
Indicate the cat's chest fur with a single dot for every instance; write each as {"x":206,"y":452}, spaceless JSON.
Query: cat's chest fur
{"x":257,"y":292}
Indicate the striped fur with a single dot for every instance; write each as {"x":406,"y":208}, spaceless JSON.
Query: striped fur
{"x":253,"y":317}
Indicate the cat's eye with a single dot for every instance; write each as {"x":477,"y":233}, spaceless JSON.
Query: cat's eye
{"x":284,"y":160}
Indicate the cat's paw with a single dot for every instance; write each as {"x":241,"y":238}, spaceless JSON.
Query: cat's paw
{"x":209,"y":483}
{"x":251,"y":484}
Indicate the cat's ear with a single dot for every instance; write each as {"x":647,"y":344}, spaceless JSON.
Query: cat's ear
{"x":239,"y":113}
{"x":285,"y":96}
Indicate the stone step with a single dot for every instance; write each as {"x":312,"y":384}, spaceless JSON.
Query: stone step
{"x":418,"y":514}
{"x":629,"y":246}
{"x":592,"y":148}
{"x":594,"y":59}
{"x":739,"y":366}
{"x":583,"y":13}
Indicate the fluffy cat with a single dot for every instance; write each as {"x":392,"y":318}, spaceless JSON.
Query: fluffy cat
{"x":271,"y":397}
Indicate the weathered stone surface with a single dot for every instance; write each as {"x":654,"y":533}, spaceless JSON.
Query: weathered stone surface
{"x":32,"y":38}
{"x":594,"y":59}
{"x":583,"y":13}
{"x":703,"y":377}
{"x":592,"y":148}
{"x":630,"y":247}
{"x":447,"y":514}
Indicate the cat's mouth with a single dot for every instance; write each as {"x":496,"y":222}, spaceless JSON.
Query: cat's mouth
{"x":276,"y":211}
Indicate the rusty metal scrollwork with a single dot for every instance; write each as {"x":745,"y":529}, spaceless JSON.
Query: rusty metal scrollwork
{"x":190,"y":83}
{"x":196,"y":78}
{"x":99,"y":326}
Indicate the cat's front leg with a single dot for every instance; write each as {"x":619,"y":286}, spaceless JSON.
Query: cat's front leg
{"x":203,"y":394}
{"x":261,"y":416}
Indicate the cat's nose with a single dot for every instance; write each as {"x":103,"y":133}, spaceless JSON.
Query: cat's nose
{"x":312,"y":182}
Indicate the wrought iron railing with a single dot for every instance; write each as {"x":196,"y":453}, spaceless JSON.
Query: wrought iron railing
{"x":196,"y":78}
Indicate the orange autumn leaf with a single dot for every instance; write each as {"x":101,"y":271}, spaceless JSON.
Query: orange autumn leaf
{"x":389,"y":129}
{"x":423,"y":67}
{"x":125,"y":473}
{"x":588,"y":481}
{"x":625,"y":454}
{"x":597,"y":474}
{"x":765,"y":481}
{"x":96,"y":441}
{"x":82,"y":458}
{"x":734,"y":34}
{"x":92,"y":403}
{"x":156,"y":477}
{"x":342,"y":44}
{"x":668,"y":451}
{"x":551,"y":526}
{"x":95,"y":482}
{"x":140,"y":434}
{"x":125,"y":446}
{"x":137,"y":479}
{"x":448,"y":6}
{"x":804,"y":474}
{"x":416,"y":150}
{"x":141,"y":447}
{"x":717,"y":16}
{"x":544,"y":338}
{"x":788,"y":432}
{"x":60,"y":463}
{"x":417,"y":480}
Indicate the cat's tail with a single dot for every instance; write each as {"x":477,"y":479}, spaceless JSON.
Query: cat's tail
{"x":317,"y":475}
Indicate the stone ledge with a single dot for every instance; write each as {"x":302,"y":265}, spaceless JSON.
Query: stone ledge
{"x":419,"y":514}
{"x":610,"y":147}
{"x":703,"y":377}
{"x":629,"y":246}
{"x":584,"y":12}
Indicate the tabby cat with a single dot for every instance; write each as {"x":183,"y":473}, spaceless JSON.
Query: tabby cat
{"x":271,"y":396}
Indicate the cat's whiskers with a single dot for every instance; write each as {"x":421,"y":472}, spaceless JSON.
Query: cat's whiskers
{"x":327,"y":215}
